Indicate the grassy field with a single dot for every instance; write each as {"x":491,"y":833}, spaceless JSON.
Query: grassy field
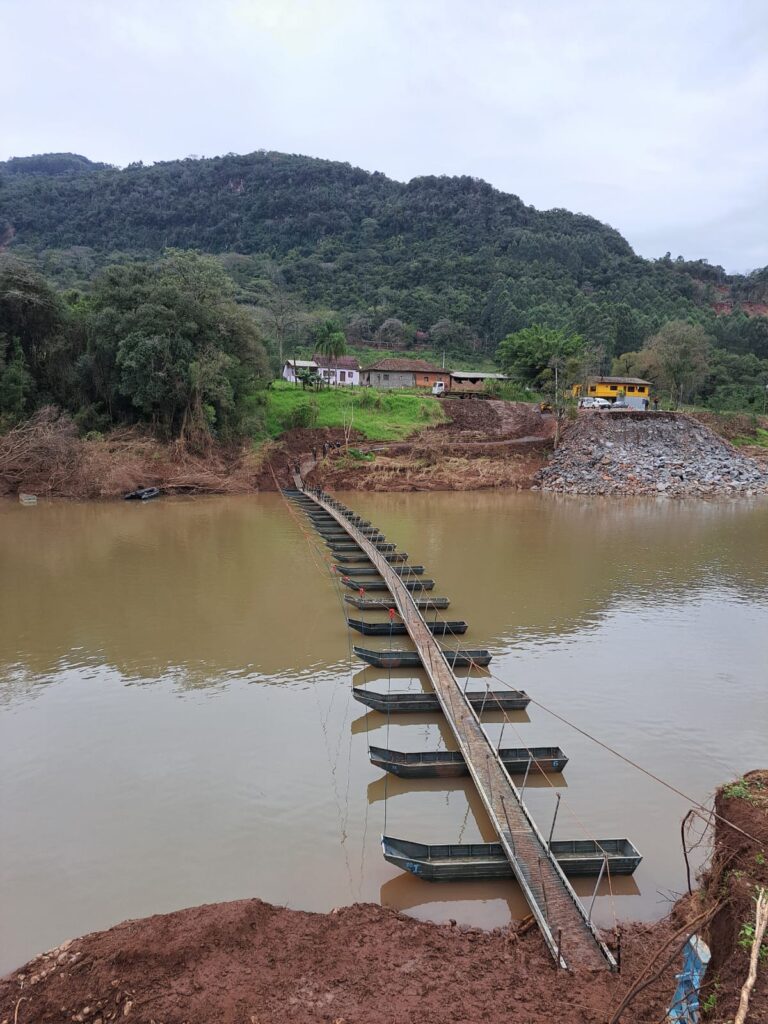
{"x":759,"y":438}
{"x":379,"y":415}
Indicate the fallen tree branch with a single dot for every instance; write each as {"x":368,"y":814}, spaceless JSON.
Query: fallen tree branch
{"x":641,"y":982}
{"x":761,"y":922}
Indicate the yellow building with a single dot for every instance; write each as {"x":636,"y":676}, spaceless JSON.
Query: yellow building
{"x":612,"y":387}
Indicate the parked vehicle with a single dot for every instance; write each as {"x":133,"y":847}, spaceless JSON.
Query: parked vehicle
{"x":601,"y":403}
{"x":466,"y":384}
{"x":619,"y":405}
{"x":587,"y":403}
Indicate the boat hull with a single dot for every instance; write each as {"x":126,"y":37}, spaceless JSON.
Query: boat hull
{"x":481,"y":861}
{"x":399,"y":628}
{"x":371,"y":584}
{"x":364,"y":570}
{"x":449,"y":764}
{"x":350,"y":545}
{"x":362,"y":559}
{"x":374,"y":604}
{"x":412,"y":659}
{"x":416,"y":703}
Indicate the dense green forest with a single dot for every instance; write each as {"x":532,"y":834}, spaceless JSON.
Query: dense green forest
{"x":441,"y":264}
{"x":158,"y":342}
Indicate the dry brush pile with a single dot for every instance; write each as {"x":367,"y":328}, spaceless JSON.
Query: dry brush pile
{"x":45,"y":456}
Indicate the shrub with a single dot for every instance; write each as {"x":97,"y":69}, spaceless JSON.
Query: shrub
{"x":303,"y":415}
{"x":355,"y":453}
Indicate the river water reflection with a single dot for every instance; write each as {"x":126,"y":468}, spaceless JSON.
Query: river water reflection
{"x":176,"y":725}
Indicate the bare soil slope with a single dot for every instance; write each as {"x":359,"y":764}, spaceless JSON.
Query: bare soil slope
{"x":251,"y":963}
{"x":484,"y":444}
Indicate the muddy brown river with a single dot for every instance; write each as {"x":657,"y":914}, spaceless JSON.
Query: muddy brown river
{"x":176,"y":724}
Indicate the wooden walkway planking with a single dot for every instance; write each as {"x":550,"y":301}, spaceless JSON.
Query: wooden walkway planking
{"x":564,"y":924}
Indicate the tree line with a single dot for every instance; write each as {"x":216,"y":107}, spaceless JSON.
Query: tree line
{"x":160,"y":342}
{"x":684,"y":364}
{"x":449,"y":260}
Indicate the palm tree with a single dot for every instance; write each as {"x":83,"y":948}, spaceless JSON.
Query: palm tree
{"x":330,"y":342}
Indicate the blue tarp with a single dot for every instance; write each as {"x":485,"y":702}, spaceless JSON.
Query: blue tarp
{"x":685,"y":1007}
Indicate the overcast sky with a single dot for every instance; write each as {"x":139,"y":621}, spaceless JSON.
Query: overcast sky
{"x":651,"y":115}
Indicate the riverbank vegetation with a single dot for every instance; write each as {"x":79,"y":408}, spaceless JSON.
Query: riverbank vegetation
{"x":160,"y":343}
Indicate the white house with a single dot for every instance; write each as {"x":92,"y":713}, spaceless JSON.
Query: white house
{"x":343,"y":371}
{"x":294,"y":366}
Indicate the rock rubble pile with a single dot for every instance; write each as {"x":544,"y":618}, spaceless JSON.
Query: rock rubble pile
{"x":649,"y":453}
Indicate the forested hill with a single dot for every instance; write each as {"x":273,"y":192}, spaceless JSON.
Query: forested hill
{"x":432,"y":250}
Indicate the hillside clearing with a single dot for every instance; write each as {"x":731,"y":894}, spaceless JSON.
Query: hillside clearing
{"x":379,"y":416}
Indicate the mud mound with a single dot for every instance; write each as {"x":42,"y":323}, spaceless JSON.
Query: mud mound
{"x":649,"y":453}
{"x":490,"y":419}
{"x":470,"y":414}
{"x":251,"y":963}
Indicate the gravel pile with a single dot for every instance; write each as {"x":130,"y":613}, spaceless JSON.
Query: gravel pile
{"x":648,"y":453}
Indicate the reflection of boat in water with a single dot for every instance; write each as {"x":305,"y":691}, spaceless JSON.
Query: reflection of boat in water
{"x":466,"y":861}
{"x":392,"y":785}
{"x":378,"y":720}
{"x":450,"y":763}
{"x":405,"y":892}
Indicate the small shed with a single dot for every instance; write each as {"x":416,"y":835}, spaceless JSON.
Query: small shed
{"x":293,"y":367}
{"x":403,"y":373}
{"x":472,"y":381}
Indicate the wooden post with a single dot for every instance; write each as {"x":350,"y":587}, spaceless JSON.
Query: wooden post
{"x":597,"y":886}
{"x":501,"y":735}
{"x":525,"y":778}
{"x":554,"y":819}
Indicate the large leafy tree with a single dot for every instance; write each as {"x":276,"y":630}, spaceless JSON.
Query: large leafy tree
{"x":167,"y":343}
{"x":528,"y":354}
{"x":16,"y":386}
{"x":32,"y":315}
{"x":682,"y":352}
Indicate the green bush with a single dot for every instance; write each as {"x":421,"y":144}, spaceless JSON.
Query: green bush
{"x":303,"y":415}
{"x":355,"y":453}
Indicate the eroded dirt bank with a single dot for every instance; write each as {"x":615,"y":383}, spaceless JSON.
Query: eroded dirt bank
{"x":251,"y":963}
{"x":247,"y":962}
{"x":484,"y":444}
